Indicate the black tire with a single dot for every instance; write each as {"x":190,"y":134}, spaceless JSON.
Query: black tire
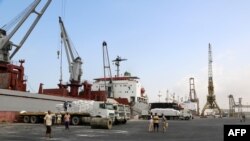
{"x":26,"y":119}
{"x":75,"y":120}
{"x":33,"y":119}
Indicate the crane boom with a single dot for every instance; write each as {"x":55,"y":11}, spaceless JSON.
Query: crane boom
{"x":12,"y":76}
{"x":74,"y":61}
{"x":106,"y":66}
{"x":6,"y":44}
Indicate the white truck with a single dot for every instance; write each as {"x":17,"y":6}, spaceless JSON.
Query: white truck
{"x":120,"y":116}
{"x":94,"y":108}
{"x":127,"y":112}
{"x":185,"y":114}
{"x":83,"y":112}
{"x":169,"y":113}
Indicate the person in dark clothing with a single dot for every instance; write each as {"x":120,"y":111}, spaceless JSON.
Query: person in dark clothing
{"x":156,"y":122}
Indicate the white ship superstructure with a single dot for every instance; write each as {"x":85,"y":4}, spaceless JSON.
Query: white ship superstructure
{"x":128,"y":87}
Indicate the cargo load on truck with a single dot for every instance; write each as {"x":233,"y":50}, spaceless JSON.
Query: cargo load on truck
{"x":94,"y":108}
{"x":167,"y":112}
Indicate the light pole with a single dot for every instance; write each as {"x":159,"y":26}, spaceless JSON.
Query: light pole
{"x":166,"y":99}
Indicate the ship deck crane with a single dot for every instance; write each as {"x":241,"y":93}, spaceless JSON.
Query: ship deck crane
{"x":12,"y":76}
{"x":106,"y":66}
{"x":74,"y":61}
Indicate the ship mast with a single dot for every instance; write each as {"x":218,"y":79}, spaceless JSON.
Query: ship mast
{"x":117,"y":63}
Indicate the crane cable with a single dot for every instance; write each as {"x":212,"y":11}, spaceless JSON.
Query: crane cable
{"x":60,"y":48}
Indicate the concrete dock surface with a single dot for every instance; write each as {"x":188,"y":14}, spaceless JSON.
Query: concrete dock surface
{"x":198,"y":129}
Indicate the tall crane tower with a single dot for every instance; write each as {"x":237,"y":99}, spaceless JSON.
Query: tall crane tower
{"x":106,"y":66}
{"x":192,"y":94}
{"x":211,"y":103}
{"x":117,"y":63}
{"x":12,"y":76}
{"x":231,"y":105}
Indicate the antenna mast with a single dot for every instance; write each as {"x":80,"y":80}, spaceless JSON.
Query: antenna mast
{"x":117,"y":63}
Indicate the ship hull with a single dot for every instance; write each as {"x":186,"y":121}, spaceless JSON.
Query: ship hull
{"x":12,"y":102}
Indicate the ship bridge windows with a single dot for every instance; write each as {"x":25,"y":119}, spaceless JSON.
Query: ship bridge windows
{"x":140,"y":99}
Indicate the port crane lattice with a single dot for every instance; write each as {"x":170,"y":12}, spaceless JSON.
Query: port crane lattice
{"x":211,"y":102}
{"x":233,"y":105}
{"x":192,"y":95}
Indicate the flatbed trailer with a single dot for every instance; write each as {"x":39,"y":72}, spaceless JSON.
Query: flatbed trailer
{"x":38,"y":117}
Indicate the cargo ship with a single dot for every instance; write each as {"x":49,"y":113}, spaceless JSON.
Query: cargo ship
{"x":14,"y":96}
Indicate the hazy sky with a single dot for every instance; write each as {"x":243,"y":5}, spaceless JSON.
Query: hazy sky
{"x":165,"y":42}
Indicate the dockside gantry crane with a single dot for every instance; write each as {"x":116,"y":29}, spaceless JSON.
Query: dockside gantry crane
{"x":12,"y":76}
{"x":233,"y":105}
{"x":192,"y":95}
{"x":211,"y":102}
{"x":74,"y":62}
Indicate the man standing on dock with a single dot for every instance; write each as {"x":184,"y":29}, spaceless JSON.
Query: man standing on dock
{"x":156,"y":122}
{"x":66,"y":120}
{"x":48,"y":123}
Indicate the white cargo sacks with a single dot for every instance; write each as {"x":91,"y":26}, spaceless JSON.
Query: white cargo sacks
{"x":78,"y":106}
{"x":165,"y":111}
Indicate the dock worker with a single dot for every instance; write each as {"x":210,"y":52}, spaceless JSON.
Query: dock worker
{"x":151,"y":123}
{"x":66,"y":120}
{"x":164,"y":123}
{"x":48,"y":124}
{"x":59,"y":119}
{"x":156,"y":122}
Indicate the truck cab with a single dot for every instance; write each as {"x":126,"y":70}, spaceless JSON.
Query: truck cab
{"x":103,"y":110}
{"x":127,"y":112}
{"x":93,"y":108}
{"x":120,"y":114}
{"x":186,"y":114}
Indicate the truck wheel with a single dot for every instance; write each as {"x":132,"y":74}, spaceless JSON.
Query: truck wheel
{"x":75,"y":120}
{"x":33,"y":119}
{"x":26,"y":119}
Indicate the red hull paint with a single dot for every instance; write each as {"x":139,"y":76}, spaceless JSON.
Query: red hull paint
{"x":6,"y":116}
{"x":12,"y":76}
